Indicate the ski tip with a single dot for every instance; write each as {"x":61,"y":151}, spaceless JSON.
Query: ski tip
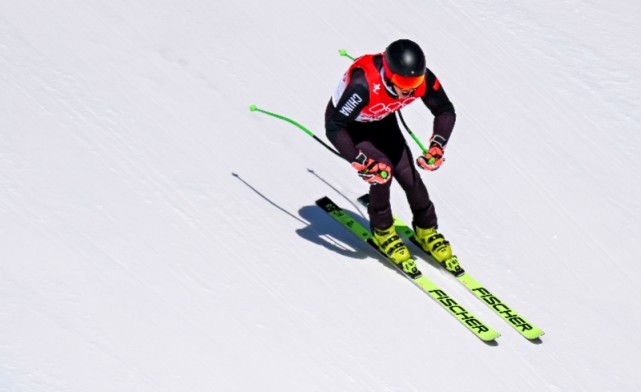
{"x":534,"y":334}
{"x":489,"y":336}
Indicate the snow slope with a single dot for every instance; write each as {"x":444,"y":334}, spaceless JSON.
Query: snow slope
{"x":157,"y":236}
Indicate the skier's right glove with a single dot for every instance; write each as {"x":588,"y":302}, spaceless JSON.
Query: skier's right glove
{"x":372,"y":171}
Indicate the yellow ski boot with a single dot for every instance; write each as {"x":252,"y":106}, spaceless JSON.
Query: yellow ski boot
{"x":439,"y":248}
{"x":391,"y":244}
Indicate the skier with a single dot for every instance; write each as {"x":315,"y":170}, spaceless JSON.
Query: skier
{"x":359,"y":124}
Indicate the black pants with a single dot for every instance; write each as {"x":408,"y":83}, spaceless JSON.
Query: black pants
{"x":384,"y":141}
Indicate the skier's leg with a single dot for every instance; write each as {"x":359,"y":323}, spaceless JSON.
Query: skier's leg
{"x":408,"y":177}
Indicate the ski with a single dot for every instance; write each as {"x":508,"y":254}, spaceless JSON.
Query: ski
{"x":518,"y":322}
{"x":470,"y":321}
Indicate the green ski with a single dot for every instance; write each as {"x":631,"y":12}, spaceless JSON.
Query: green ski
{"x":466,"y":318}
{"x":518,"y":322}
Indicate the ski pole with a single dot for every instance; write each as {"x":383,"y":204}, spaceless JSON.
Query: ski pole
{"x":344,"y":53}
{"x":254,"y":108}
{"x":420,"y":145}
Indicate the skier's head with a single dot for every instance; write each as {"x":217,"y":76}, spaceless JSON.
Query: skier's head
{"x":404,"y":64}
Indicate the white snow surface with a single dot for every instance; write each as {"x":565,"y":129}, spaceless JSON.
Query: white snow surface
{"x":155,"y":235}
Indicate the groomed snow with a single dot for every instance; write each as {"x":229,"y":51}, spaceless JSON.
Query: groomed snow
{"x":156,"y":235}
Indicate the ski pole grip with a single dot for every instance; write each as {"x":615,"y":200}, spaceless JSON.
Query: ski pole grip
{"x":254,"y":108}
{"x":344,"y":53}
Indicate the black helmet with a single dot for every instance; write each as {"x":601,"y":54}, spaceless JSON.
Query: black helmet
{"x":404,"y":63}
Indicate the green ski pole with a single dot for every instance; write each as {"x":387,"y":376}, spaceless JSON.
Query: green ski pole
{"x":254,"y":108}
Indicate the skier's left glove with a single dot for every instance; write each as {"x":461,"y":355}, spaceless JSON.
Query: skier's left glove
{"x":372,"y":171}
{"x":433,"y":158}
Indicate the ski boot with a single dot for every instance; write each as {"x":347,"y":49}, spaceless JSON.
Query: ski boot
{"x":439,"y":248}
{"x":391,"y":245}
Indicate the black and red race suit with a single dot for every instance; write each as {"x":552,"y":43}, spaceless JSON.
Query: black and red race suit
{"x":358,"y":117}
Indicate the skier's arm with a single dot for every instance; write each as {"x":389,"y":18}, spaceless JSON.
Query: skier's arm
{"x":337,"y":118}
{"x":441,"y":107}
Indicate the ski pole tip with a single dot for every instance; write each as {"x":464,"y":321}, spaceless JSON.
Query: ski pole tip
{"x":252,"y":108}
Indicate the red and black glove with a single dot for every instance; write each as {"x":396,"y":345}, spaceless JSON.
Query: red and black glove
{"x":433,"y":158}
{"x":372,"y":171}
